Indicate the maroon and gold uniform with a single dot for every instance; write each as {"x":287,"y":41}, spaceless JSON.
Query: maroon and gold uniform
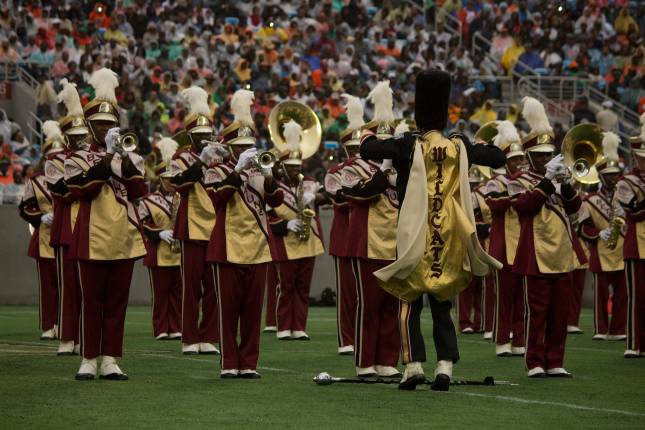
{"x":372,"y":220}
{"x":295,"y":258}
{"x":504,"y":237}
{"x":239,"y":250}
{"x":338,"y":248}
{"x":630,"y":194}
{"x":36,"y":203}
{"x":107,"y":239}
{"x":163,"y":262}
{"x":606,"y":264}
{"x":193,"y":227}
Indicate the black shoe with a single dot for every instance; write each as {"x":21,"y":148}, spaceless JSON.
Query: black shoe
{"x":254,"y":375}
{"x":441,"y":383}
{"x":301,"y":338}
{"x":84,"y":377}
{"x":411,"y":383}
{"x":115,"y":377}
{"x":559,"y":375}
{"x":506,"y":354}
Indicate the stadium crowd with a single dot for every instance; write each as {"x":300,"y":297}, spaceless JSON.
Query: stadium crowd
{"x":311,"y":51}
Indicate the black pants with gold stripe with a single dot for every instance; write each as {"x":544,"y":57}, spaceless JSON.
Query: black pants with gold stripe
{"x":443,"y":331}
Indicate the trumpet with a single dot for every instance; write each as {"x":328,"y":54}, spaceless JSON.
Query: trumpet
{"x":127,"y":142}
{"x":265,"y":160}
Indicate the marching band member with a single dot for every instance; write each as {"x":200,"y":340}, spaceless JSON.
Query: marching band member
{"x":504,"y":236}
{"x":107,"y":236}
{"x":296,"y":244}
{"x":437,"y":247}
{"x":372,"y":221}
{"x":630,"y":194}
{"x":346,"y":297}
{"x":472,"y":300}
{"x":156,"y":212}
{"x":578,"y":276}
{"x":606,"y":260}
{"x":74,"y":128}
{"x":546,"y":255}
{"x":270,"y":325}
{"x":36,"y":208}
{"x":193,"y":228}
{"x":239,"y":246}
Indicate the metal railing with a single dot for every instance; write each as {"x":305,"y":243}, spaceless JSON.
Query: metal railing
{"x":35,"y":126}
{"x":10,"y":71}
{"x":450,"y":23}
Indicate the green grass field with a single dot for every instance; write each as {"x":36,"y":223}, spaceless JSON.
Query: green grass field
{"x":167,"y":390}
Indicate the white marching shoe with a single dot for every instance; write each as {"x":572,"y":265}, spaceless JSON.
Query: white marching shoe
{"x":208,"y":349}
{"x":77,"y":349}
{"x":518,"y":351}
{"x":270,"y":329}
{"x":503,"y":350}
{"x":387,"y":371}
{"x":87,"y":371}
{"x":65,"y":348}
{"x":346,"y":350}
{"x":299,"y":335}
{"x":412,"y":376}
{"x":111,"y":371}
{"x":558,"y":372}
{"x":536,"y":372}
{"x":161,"y":336}
{"x":174,"y":336}
{"x":442,"y":376}
{"x":48,"y":334}
{"x":228,"y":373}
{"x":631,"y":353}
{"x":617,"y":337}
{"x":191,"y":349}
{"x":366,"y":372}
{"x":284,"y":335}
{"x":599,"y":337}
{"x":572,"y":329}
{"x":488,"y":335}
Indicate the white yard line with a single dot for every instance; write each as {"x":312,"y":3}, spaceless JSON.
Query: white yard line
{"x":557,"y":404}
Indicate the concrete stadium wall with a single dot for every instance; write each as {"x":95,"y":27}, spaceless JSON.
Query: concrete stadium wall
{"x":19,"y":280}
{"x":18,"y":277}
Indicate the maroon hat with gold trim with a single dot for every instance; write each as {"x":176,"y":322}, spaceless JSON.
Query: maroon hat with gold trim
{"x":104,"y":106}
{"x":540,"y":138}
{"x":52,"y":138}
{"x":167,"y":148}
{"x":74,"y":123}
{"x":637,"y":143}
{"x":242,"y":130}
{"x":609,"y":163}
{"x":198,"y":119}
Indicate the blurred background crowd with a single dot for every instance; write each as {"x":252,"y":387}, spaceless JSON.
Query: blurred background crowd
{"x":311,"y":51}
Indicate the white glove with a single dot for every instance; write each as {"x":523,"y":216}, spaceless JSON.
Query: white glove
{"x":245,"y":159}
{"x":267,"y":172}
{"x":386,"y":165}
{"x":111,"y":139}
{"x":294,"y":225}
{"x":166,"y":236}
{"x":47,"y":219}
{"x":308,"y":198}
{"x":555,"y":167}
{"x":605,"y":234}
{"x":208,"y":154}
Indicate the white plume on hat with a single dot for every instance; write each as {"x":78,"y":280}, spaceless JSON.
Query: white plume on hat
{"x":197,"y":99}
{"x":401,"y":127}
{"x":292,"y":132}
{"x":381,"y":98}
{"x":506,"y":134}
{"x":241,"y":106}
{"x":610,"y":143}
{"x":52,"y":130}
{"x":354,"y":109}
{"x":104,"y":81}
{"x":167,"y":148}
{"x":642,"y":119}
{"x":534,"y":113}
{"x":70,"y":98}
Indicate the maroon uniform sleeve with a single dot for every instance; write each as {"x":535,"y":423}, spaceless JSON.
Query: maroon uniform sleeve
{"x":529,"y":203}
{"x":365,"y":192}
{"x":273,"y":195}
{"x":588,"y":231}
{"x":221,"y":192}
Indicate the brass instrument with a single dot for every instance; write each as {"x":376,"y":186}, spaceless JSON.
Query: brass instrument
{"x":582,"y":151}
{"x":311,"y":130}
{"x":305,"y":214}
{"x":183,"y":139}
{"x":617,"y":224}
{"x":127,"y":142}
{"x":486,"y":133}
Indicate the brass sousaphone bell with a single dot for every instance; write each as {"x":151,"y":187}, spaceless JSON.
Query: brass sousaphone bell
{"x":486,"y":134}
{"x":311,"y":130}
{"x":582,"y":151}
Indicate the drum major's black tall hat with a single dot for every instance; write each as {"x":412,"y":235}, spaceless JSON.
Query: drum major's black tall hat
{"x":431,"y":100}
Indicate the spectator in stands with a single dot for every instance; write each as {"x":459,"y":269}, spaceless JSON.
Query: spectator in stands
{"x":7,"y":52}
{"x":12,"y":192}
{"x":19,"y":142}
{"x":606,"y":118}
{"x":582,"y":113}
